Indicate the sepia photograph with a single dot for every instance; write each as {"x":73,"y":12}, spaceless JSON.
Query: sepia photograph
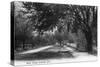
{"x":52,"y":33}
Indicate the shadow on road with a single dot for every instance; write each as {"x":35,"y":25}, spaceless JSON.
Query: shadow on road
{"x":44,"y":55}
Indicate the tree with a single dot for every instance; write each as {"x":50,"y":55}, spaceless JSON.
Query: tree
{"x":83,"y":20}
{"x":47,"y":15}
{"x":22,"y":26}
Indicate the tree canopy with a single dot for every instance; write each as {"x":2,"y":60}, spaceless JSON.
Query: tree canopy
{"x":42,"y":17}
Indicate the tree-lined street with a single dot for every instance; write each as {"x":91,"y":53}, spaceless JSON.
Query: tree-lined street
{"x":45,"y":30}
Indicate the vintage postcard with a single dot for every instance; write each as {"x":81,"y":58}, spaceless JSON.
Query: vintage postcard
{"x":45,"y":33}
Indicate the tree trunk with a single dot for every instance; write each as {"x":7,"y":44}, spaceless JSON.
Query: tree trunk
{"x":23,"y":45}
{"x":88,"y":35}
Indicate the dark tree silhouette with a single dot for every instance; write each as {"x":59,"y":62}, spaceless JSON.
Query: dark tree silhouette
{"x":84,"y":16}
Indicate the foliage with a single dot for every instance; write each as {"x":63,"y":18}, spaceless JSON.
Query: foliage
{"x":68,"y":19}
